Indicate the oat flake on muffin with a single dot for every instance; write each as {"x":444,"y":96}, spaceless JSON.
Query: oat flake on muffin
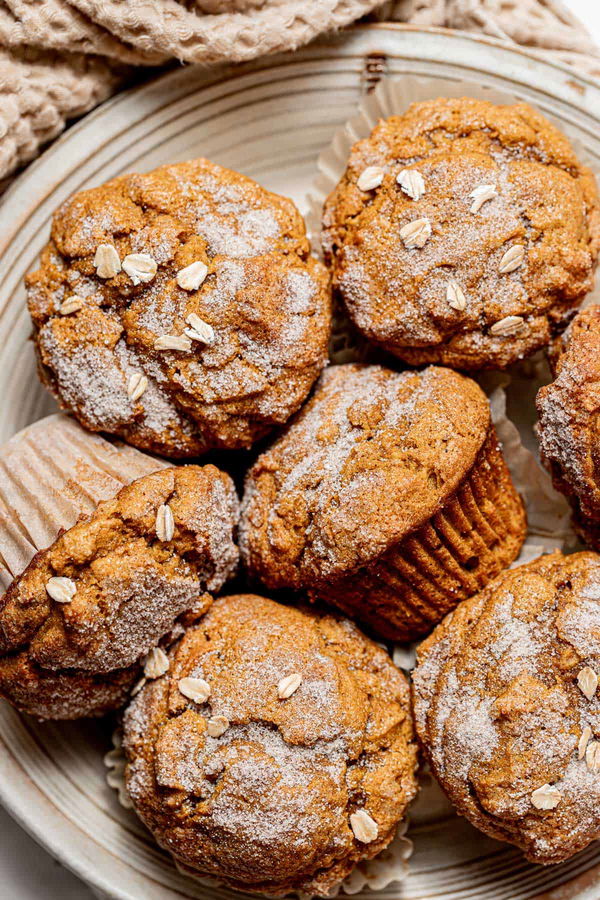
{"x":180,"y":309}
{"x":481,"y":202}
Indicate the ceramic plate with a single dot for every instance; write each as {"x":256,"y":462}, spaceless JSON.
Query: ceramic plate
{"x":268,"y":120}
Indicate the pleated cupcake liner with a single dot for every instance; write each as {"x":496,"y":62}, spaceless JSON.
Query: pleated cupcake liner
{"x":51,"y":474}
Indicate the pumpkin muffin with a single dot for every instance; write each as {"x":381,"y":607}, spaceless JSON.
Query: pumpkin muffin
{"x":463,"y":233}
{"x":507,"y":708}
{"x":387,"y":496}
{"x":569,"y":421}
{"x":75,"y":626}
{"x":180,"y":310}
{"x":277,"y":750}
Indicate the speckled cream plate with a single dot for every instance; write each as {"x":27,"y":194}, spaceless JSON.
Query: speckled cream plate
{"x":269,"y":120}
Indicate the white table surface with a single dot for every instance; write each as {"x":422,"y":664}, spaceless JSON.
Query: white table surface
{"x":589,"y":13}
{"x":27,"y":871}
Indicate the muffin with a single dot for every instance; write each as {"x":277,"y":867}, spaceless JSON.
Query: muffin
{"x":507,"y":708}
{"x":277,"y":750}
{"x":180,"y":310}
{"x":569,"y":423}
{"x":387,"y":496}
{"x":76,"y":624}
{"x":463,"y":233}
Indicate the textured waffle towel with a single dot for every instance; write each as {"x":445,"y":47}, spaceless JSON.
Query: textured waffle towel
{"x":59,"y":58}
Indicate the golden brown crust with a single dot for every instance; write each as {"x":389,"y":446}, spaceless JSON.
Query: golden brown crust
{"x":370,"y":457}
{"x":335,"y":505}
{"x":267,"y":301}
{"x":546,"y":202}
{"x":129,"y":581}
{"x":569,"y":421}
{"x":265,"y":806}
{"x":499,"y":711}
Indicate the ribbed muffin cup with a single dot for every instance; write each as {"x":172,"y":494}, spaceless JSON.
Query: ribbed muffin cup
{"x":51,"y":474}
{"x":477,"y":532}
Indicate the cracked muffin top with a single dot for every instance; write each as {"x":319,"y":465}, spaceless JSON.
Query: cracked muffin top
{"x":180,"y":309}
{"x":463,"y":233}
{"x":111,"y":587}
{"x":371,"y":456}
{"x":276,"y":751}
{"x":569,"y":424}
{"x":507,"y":707}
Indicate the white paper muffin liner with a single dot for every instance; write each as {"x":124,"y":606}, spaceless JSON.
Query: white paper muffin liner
{"x":52,"y":473}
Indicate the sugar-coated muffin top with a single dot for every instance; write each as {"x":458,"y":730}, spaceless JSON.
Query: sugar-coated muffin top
{"x":180,"y":309}
{"x":108,"y":589}
{"x":463,"y":233}
{"x":507,"y":707}
{"x":371,"y":456}
{"x":569,"y":427}
{"x":276,"y":751}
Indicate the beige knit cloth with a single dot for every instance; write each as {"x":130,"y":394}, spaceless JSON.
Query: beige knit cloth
{"x":59,"y":58}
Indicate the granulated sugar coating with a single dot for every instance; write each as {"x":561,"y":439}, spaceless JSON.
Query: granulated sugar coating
{"x":568,"y":427}
{"x":500,"y":712}
{"x":511,"y":220}
{"x":267,"y":804}
{"x":263,"y":302}
{"x":75,"y":624}
{"x":387,"y":495}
